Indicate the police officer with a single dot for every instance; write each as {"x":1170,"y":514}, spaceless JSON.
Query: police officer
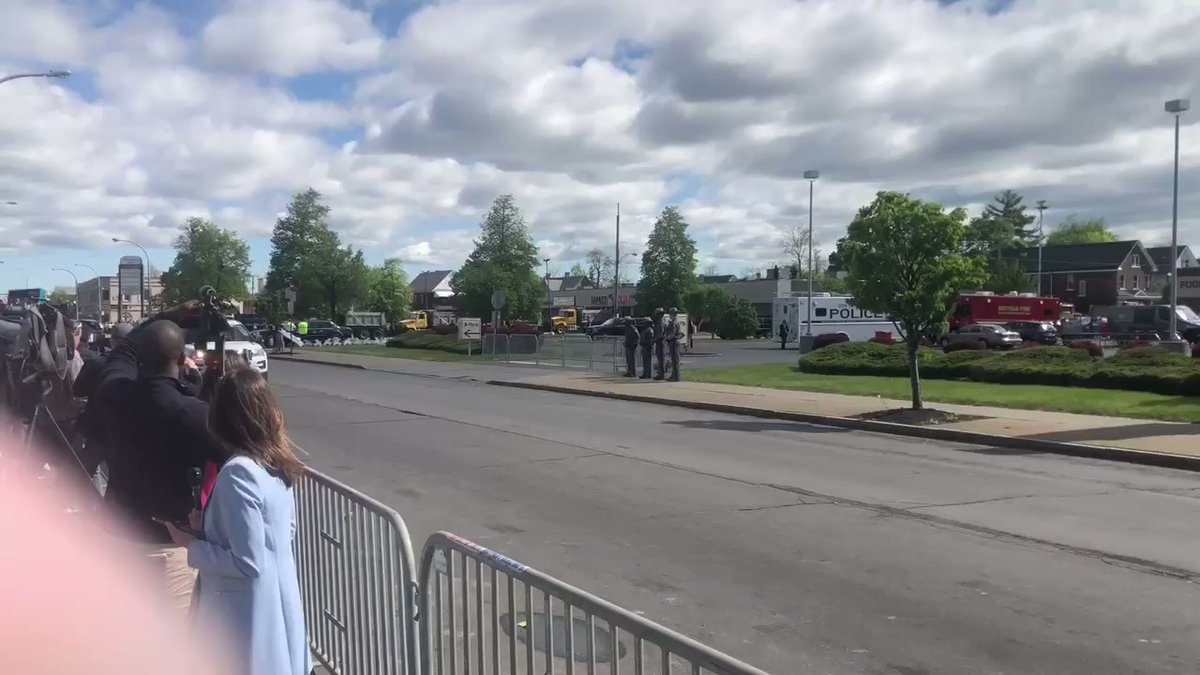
{"x":646,"y":341}
{"x":303,"y":328}
{"x":658,"y":344}
{"x":672,"y":335}
{"x":631,"y":345}
{"x":783,"y":334}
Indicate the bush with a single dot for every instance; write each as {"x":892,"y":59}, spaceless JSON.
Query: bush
{"x":827,"y":339}
{"x":1049,"y":354}
{"x":427,"y":339}
{"x":445,"y":329}
{"x":963,"y":347}
{"x":954,"y":365}
{"x":1150,"y":356}
{"x":738,"y":321}
{"x":1093,"y":350}
{"x":861,"y":358}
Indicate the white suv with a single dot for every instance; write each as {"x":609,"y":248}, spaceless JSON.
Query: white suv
{"x":237,"y":339}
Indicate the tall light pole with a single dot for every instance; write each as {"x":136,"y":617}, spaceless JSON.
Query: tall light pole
{"x":97,"y":276}
{"x":1176,"y":107}
{"x":76,"y":280}
{"x":1041,"y":209}
{"x":55,"y":74}
{"x":549,"y":302}
{"x":617,"y":266}
{"x":811,"y":176}
{"x":146,"y":272}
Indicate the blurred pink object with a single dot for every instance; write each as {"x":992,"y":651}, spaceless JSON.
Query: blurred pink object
{"x":77,"y":599}
{"x":207,"y":482}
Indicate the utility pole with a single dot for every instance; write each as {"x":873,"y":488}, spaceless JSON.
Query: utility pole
{"x":1041,"y":209}
{"x":617,"y":267}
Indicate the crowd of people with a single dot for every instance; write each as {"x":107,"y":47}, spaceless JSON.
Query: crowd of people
{"x":663,"y":336}
{"x":198,"y":471}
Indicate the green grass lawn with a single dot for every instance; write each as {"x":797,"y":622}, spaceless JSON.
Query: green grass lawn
{"x":394,"y":353}
{"x":1027,"y":396}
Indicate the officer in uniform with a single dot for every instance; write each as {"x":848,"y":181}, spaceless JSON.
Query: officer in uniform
{"x":783,"y":334}
{"x":658,"y":344}
{"x":631,"y":345}
{"x":672,"y":335}
{"x":646,"y":341}
{"x":303,"y":328}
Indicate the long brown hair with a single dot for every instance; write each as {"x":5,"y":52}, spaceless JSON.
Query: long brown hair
{"x":208,"y":383}
{"x":245,"y":417}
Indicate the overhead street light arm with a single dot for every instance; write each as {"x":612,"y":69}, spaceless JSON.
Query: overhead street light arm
{"x":56,"y":74}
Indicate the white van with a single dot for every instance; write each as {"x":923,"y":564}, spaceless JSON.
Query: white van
{"x":829,"y":315}
{"x":237,"y":339}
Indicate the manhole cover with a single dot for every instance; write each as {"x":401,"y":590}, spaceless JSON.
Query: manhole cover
{"x":558,"y":628}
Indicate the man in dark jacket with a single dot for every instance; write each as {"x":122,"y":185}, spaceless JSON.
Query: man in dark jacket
{"x":646,"y":342}
{"x":631,"y":345}
{"x":657,"y":325}
{"x":159,"y":436}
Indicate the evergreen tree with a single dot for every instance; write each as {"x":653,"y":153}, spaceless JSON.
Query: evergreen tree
{"x":668,"y":264}
{"x":505,"y":258}
{"x":1008,"y":207}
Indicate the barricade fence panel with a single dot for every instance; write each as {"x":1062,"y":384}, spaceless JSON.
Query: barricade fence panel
{"x":358,"y":580}
{"x":487,"y":614}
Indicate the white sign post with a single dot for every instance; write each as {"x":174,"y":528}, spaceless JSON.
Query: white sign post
{"x":468,"y":330}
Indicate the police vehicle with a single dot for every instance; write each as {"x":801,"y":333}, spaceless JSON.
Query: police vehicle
{"x":829,"y":315}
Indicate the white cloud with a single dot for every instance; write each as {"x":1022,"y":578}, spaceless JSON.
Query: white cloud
{"x":292,"y":37}
{"x":574,"y":106}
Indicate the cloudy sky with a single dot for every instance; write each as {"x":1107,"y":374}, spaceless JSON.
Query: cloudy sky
{"x":412,"y":116}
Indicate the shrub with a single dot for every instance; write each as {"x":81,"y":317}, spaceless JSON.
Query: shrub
{"x":879,"y":340}
{"x":861,"y":358}
{"x":954,"y":365}
{"x":427,"y":339}
{"x":826,"y":339}
{"x":1093,"y":350}
{"x":1148,"y":356}
{"x":964,"y":347}
{"x":1049,"y":354}
{"x":446,"y":329}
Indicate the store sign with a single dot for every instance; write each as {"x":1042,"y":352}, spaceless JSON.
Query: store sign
{"x":624,"y":299}
{"x":564,"y":301}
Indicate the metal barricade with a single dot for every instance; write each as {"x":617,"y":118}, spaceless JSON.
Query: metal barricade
{"x":487,"y":614}
{"x":494,"y":347}
{"x":357,"y":580}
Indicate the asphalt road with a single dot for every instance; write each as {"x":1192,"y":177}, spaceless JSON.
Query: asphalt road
{"x":800,"y":549}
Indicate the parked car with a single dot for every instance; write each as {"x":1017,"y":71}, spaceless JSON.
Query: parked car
{"x":320,"y":329}
{"x":615,"y":326}
{"x":1042,"y":332}
{"x":253,"y":322}
{"x":987,"y":334}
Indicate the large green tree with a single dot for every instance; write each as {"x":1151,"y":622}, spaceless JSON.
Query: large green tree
{"x":308,"y":258}
{"x":1002,"y":227}
{"x":668,"y":264}
{"x":504,"y":259}
{"x":706,"y":304}
{"x":388,"y":290}
{"x":206,"y":255}
{"x":1009,"y":278}
{"x":906,"y":260}
{"x":1074,"y":231}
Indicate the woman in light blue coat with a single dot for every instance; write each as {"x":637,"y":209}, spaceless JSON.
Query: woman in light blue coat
{"x":247,"y":585}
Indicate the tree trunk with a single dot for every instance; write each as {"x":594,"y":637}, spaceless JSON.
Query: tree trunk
{"x":914,"y":376}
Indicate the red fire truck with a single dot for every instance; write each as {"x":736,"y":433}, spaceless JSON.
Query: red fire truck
{"x":987,"y":307}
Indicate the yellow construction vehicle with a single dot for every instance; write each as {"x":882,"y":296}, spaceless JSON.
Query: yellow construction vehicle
{"x":418,"y":320}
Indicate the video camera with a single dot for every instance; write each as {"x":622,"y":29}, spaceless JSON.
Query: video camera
{"x":212,"y":328}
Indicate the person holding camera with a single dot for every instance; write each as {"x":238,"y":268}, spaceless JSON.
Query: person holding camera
{"x":159,"y":439}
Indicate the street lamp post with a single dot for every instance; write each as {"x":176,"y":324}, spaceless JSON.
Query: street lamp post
{"x":1176,"y":107}
{"x":806,"y":344}
{"x":97,"y":276}
{"x":56,"y":74}
{"x":549,"y":303}
{"x":146,"y":272}
{"x":76,"y":280}
{"x":1041,"y":209}
{"x":617,"y":267}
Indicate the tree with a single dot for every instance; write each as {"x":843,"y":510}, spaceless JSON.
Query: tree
{"x":1072,"y":231}
{"x":578,"y":271}
{"x":906,"y":260}
{"x":1002,"y":227}
{"x":739,"y":320}
{"x":505,"y":259}
{"x":707,"y":303}
{"x":59,"y":297}
{"x":206,"y":255}
{"x":795,"y":244}
{"x":388,"y":290}
{"x":1009,"y":278}
{"x":1009,"y":207}
{"x":668,"y":264}
{"x":309,"y":257}
{"x":600,"y":268}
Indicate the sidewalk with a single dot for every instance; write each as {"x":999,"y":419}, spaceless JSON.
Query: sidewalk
{"x":1170,"y":443}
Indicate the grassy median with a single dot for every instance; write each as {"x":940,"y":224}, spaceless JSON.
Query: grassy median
{"x":1108,"y":402}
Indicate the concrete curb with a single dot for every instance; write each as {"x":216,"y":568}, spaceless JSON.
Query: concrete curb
{"x":1160,"y":459}
{"x":293,"y":359}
